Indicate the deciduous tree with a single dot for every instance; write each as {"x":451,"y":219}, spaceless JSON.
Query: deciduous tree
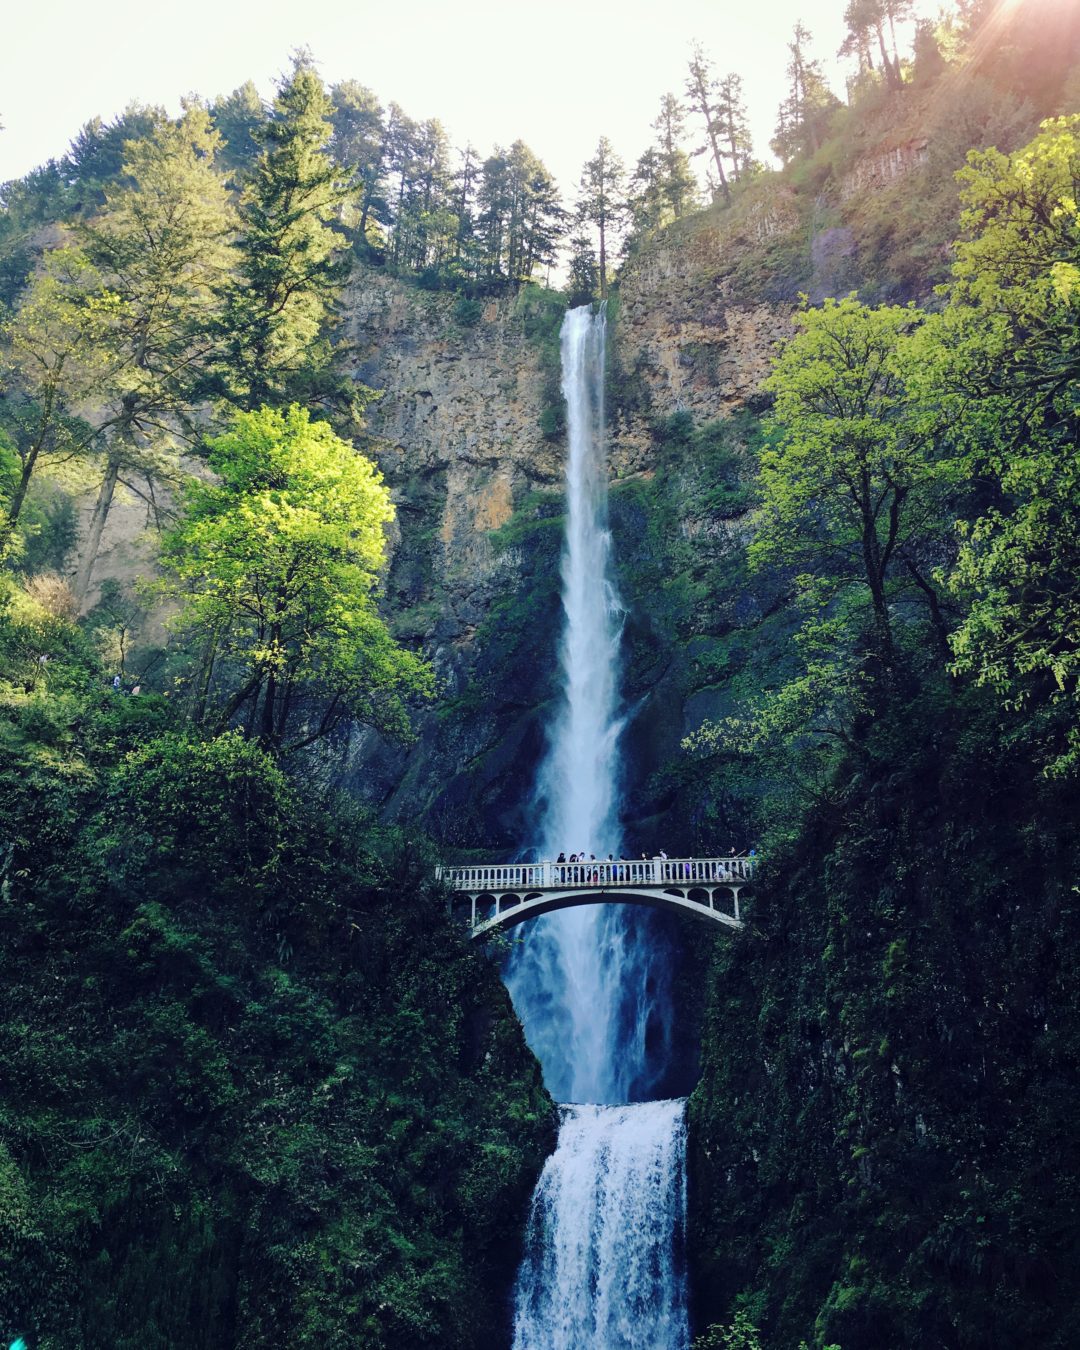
{"x":1005,"y":358}
{"x":277,"y":564}
{"x":846,"y":483}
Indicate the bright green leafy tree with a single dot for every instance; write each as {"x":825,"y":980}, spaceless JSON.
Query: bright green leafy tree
{"x":1005,"y":357}
{"x":846,"y":481}
{"x":277,"y":563}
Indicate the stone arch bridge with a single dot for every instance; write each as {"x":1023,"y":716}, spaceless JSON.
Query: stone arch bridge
{"x":495,"y":896}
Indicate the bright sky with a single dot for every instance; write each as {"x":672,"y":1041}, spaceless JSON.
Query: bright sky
{"x":558,"y":74}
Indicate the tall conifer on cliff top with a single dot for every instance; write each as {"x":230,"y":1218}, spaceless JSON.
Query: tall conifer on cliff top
{"x":291,"y":268}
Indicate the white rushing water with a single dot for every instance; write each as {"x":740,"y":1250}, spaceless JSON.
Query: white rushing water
{"x":579,"y":980}
{"x":603,"y":1263}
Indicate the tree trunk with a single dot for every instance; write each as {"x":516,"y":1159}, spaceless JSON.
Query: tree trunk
{"x":892,"y":73}
{"x":201,"y":686}
{"x":937,"y":619}
{"x":97,"y":523}
{"x":7,"y":529}
{"x":266,"y":734}
{"x":603,"y":261}
{"x":719,"y":161}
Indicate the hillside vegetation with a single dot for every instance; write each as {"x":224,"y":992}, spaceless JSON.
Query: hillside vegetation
{"x":255,"y":1085}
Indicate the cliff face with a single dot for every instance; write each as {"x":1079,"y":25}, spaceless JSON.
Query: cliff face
{"x":467,"y":433}
{"x":686,"y":340}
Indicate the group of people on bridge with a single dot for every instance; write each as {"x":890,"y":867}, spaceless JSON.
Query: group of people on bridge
{"x":585,"y":868}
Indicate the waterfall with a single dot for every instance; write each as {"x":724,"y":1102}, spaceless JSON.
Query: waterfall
{"x":603,"y":1263}
{"x":603,"y":1266}
{"x":580,"y":979}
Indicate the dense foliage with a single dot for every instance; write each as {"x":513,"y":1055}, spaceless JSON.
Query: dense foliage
{"x":888,"y":1159}
{"x":254,"y":1086}
{"x":254,"y":1083}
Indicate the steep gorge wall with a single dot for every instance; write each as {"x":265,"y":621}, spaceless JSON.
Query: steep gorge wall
{"x":476,"y":473}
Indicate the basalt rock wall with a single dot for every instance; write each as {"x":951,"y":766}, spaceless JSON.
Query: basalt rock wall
{"x":467,"y":432}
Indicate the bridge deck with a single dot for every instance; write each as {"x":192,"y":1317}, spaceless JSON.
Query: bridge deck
{"x":504,"y":894}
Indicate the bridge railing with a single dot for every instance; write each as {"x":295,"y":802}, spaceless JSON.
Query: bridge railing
{"x":550,"y":875}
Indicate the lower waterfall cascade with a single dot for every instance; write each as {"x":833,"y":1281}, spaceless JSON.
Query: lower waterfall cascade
{"x":603,"y":1267}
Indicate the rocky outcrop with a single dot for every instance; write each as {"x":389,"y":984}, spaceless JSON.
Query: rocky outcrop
{"x":456,"y":431}
{"x":883,"y":166}
{"x":685,"y":339}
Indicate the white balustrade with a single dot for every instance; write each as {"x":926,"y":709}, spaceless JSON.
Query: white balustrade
{"x":591,"y":875}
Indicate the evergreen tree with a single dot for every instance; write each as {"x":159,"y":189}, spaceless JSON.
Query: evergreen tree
{"x":647,"y":204}
{"x":493,"y":206}
{"x":583,"y":282}
{"x":357,"y":145}
{"x":402,"y":145}
{"x":675,"y":175}
{"x":464,"y":196}
{"x":601,"y":202}
{"x":703,"y":95}
{"x":435,"y":227}
{"x":54,"y":358}
{"x":95,"y":157}
{"x":538,"y":220}
{"x":162,"y":248}
{"x":520,"y":219}
{"x":866,"y":21}
{"x":291,"y":270}
{"x":240,"y":117}
{"x":802,"y":116}
{"x":734,"y":123}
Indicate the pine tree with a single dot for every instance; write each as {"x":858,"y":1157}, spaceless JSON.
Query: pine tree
{"x":867,"y":19}
{"x":600,"y":202}
{"x":93,"y":163}
{"x":801,"y":116}
{"x":732,"y":115}
{"x":583,"y":282}
{"x":240,"y":117}
{"x":357,"y":143}
{"x":676,"y":177}
{"x":291,"y":269}
{"x":493,"y":209}
{"x":464,"y":196}
{"x":647,"y":203}
{"x":53,"y":360}
{"x":702,"y":93}
{"x":163,"y":250}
